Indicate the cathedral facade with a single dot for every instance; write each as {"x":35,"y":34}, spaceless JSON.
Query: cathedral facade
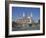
{"x":24,"y":20}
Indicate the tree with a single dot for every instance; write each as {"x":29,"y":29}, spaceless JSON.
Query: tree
{"x":39,"y":21}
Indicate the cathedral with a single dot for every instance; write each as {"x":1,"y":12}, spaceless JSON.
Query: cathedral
{"x":25,"y":20}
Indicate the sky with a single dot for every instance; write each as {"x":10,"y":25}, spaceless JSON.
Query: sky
{"x":17,"y":12}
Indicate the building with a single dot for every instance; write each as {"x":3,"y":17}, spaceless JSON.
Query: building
{"x":25,"y":20}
